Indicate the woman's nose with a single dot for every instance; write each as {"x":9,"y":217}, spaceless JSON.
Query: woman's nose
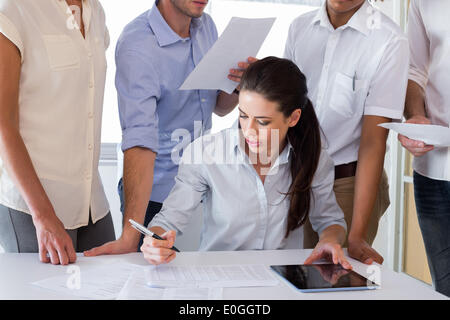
{"x":251,"y":129}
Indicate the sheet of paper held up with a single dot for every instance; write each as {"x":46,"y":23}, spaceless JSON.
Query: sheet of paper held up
{"x":136,"y":289}
{"x":434,"y":135}
{"x":212,"y":276}
{"x":242,"y":38}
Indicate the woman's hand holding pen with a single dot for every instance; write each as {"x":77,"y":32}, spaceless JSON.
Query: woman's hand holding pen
{"x":159,"y":251}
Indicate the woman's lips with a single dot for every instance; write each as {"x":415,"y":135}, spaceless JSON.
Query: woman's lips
{"x":252,"y":143}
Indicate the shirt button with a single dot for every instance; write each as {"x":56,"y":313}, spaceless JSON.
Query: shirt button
{"x":91,"y":85}
{"x":90,"y":115}
{"x":90,"y":54}
{"x":90,"y":146}
{"x":203,"y":100}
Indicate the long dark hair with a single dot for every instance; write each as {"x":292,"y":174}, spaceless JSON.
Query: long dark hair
{"x":281,"y":81}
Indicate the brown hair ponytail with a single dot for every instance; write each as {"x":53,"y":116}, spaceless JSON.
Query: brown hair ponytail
{"x":281,"y":81}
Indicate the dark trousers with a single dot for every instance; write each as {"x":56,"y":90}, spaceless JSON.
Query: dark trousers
{"x":433,"y":210}
{"x":18,"y":234}
{"x":152,"y":209}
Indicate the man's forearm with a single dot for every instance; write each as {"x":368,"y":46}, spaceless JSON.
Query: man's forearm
{"x":158,"y":230}
{"x":137,"y":180}
{"x":367,"y":180}
{"x":225,"y":103}
{"x":371,"y":154}
{"x":415,"y":101}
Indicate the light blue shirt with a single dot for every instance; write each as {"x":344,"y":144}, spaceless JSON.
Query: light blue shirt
{"x":152,"y":63}
{"x":239,"y":211}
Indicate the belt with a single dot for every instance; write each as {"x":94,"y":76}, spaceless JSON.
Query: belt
{"x":345,"y":170}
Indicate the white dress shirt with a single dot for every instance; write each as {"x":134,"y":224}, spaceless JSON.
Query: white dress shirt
{"x":356,"y":70}
{"x":239,"y":211}
{"x":60,"y":104}
{"x":429,"y":38}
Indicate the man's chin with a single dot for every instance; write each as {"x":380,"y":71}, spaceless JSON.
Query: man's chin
{"x":196,"y":14}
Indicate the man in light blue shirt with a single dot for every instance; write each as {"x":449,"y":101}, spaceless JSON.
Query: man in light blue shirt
{"x":154,"y":55}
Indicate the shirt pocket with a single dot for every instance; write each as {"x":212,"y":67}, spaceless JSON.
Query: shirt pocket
{"x":343,"y":95}
{"x":62,"y":53}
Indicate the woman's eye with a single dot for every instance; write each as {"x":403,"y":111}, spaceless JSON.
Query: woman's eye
{"x":243,"y":117}
{"x":263,"y":123}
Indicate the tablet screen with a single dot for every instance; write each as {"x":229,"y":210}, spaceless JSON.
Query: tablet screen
{"x":323,"y":277}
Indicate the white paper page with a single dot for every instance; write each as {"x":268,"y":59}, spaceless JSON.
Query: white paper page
{"x":434,"y":135}
{"x":242,"y":38}
{"x":210,"y":276}
{"x":102,"y":283}
{"x":137,"y":289}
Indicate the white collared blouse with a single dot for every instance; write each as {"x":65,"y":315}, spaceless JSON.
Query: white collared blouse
{"x":60,"y":104}
{"x":240,"y":212}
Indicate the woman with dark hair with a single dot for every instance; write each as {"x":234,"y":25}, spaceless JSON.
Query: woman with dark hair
{"x":260,"y":180}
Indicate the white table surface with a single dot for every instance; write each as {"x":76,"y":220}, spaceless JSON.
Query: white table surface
{"x":17,"y":271}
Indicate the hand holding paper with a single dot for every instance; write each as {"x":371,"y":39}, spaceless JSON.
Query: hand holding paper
{"x":241,"y":39}
{"x":417,"y":148}
{"x":236,"y":74}
{"x":432,"y":135}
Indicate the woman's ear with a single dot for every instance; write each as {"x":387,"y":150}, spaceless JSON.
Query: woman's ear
{"x":295,"y":117}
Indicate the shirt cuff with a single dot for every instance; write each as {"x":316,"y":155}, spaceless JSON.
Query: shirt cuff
{"x":418,"y":78}
{"x":159,"y":221}
{"x":8,"y":29}
{"x":145,"y":137}
{"x":337,"y":223}
{"x":383,"y":112}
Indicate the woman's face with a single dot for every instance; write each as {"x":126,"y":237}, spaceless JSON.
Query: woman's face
{"x":263,"y":125}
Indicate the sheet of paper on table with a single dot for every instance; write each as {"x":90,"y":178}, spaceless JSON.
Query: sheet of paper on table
{"x":242,"y":38}
{"x":225,"y":276}
{"x":101,"y":283}
{"x":120,"y":281}
{"x":137,"y":289}
{"x":434,"y":135}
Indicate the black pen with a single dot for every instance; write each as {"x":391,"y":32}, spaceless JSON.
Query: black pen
{"x":139,"y":227}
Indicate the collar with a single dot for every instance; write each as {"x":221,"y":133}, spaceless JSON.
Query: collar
{"x":237,"y":143}
{"x":359,"y":21}
{"x":163,"y":32}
